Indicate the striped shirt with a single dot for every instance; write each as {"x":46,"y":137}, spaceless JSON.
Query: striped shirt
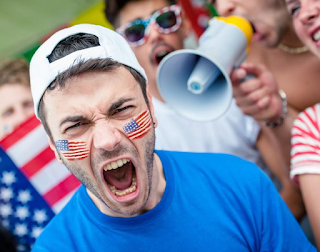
{"x":305,"y":152}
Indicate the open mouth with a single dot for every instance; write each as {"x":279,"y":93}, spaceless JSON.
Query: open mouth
{"x":121,"y":177}
{"x":160,"y":55}
{"x":316,"y":36}
{"x":159,"y":52}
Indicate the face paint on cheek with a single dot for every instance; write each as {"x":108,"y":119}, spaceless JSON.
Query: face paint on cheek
{"x":138,"y":126}
{"x":72,"y":150}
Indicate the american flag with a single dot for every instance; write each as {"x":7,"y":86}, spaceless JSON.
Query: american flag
{"x":33,"y":184}
{"x":72,"y":150}
{"x":138,"y":126}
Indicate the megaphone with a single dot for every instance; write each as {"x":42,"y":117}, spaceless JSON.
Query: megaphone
{"x":196,"y":83}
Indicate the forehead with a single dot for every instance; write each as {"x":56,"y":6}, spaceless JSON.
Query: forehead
{"x":10,"y":94}
{"x":140,"y":9}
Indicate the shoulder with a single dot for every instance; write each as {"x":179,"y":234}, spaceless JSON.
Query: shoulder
{"x":307,"y":121}
{"x":215,"y":164}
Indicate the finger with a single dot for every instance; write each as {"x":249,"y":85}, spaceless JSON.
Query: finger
{"x":256,"y":110}
{"x":254,"y":97}
{"x":246,"y":87}
{"x":254,"y":69}
{"x":237,"y":75}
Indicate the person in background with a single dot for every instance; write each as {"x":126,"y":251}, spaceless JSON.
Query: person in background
{"x":305,"y":160}
{"x":90,"y":94}
{"x":15,"y":95}
{"x":157,"y":28}
{"x":286,"y":71}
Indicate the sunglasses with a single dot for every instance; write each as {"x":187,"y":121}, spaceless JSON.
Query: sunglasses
{"x":166,"y":20}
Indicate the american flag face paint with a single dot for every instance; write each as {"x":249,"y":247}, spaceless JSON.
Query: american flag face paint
{"x":138,"y":126}
{"x":72,"y":150}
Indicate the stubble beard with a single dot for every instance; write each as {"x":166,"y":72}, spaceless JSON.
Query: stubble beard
{"x":83,"y":177}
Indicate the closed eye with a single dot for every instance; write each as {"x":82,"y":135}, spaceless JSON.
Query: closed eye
{"x":74,"y":126}
{"x":119,"y":110}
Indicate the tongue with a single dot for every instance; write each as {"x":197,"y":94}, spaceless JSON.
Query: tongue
{"x":120,"y":178}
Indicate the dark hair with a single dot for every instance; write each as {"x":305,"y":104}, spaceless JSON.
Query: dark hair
{"x":7,"y":241}
{"x":113,"y":8}
{"x":74,"y":43}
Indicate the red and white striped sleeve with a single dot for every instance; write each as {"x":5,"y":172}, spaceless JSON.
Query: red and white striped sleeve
{"x":305,"y":152}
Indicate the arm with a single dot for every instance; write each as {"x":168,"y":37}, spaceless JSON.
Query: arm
{"x":310,"y":187}
{"x":271,"y":152}
{"x":305,"y":163}
{"x":280,"y":231}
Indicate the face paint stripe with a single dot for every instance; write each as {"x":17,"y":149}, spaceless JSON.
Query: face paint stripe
{"x":72,"y":150}
{"x":140,"y":129}
{"x":138,"y":126}
{"x":138,"y":135}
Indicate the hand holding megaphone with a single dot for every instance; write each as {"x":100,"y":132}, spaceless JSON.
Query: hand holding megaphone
{"x":258,"y":96}
{"x":196,"y":83}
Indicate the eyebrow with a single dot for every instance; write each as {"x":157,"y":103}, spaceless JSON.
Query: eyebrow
{"x":118,"y":104}
{"x":79,"y":118}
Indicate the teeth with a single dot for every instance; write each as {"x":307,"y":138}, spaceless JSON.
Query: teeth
{"x":316,"y":36}
{"x":115,"y":165}
{"x":131,"y":189}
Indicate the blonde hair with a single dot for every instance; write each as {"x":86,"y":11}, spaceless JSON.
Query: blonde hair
{"x":14,"y":72}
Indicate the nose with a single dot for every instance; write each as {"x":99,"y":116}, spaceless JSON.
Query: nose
{"x":106,"y":136}
{"x":308,"y":13}
{"x":153,"y":34}
{"x":225,"y":7}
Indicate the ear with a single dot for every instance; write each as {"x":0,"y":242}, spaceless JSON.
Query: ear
{"x":53,"y":147}
{"x":155,"y":121}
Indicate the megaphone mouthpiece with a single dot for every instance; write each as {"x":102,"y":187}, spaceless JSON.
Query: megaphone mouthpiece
{"x":202,"y":76}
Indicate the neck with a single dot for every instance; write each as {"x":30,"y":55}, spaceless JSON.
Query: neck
{"x":159,"y":183}
{"x":290,"y":38}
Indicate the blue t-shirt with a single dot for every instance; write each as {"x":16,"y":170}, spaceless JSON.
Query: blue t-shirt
{"x":212,"y":202}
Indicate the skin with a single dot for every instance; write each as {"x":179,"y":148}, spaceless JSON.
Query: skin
{"x":296,"y":74}
{"x":108,"y":101}
{"x":16,"y":106}
{"x":270,"y":20}
{"x":306,"y":21}
{"x":266,"y":143}
{"x":305,"y":17}
{"x":156,"y":41}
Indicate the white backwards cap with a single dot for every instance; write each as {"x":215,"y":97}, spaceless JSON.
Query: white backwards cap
{"x":112,"y":45}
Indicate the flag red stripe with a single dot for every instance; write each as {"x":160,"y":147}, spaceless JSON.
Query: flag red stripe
{"x":141,"y":115}
{"x":75,"y":152}
{"x":76,"y":157}
{"x":141,"y":133}
{"x":138,"y":120}
{"x":24,"y":129}
{"x":77,"y":149}
{"x":37,"y":163}
{"x":142,"y":127}
{"x":61,"y":190}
